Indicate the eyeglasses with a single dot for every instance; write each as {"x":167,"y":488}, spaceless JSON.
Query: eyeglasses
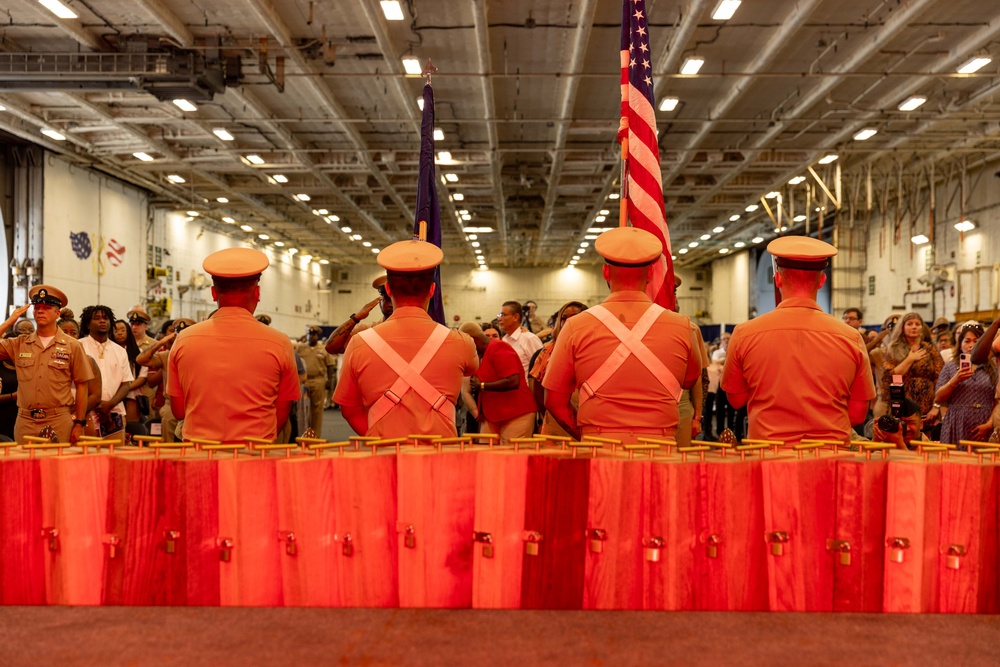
{"x":500,"y":316}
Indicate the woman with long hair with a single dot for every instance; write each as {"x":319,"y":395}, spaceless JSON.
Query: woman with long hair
{"x":541,"y":362}
{"x":968,"y":390}
{"x":912,"y":354}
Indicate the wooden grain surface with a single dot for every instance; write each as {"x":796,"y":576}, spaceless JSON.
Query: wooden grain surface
{"x":860,"y":521}
{"x":913,"y":511}
{"x":305,"y":509}
{"x":501,"y":494}
{"x":22,"y":556}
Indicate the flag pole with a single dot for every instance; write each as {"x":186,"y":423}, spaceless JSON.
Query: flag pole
{"x":623,"y":198}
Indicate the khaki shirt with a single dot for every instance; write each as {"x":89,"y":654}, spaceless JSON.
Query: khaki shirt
{"x":800,"y":367}
{"x":316,"y":359}
{"x":632,"y":398}
{"x":46,"y":375}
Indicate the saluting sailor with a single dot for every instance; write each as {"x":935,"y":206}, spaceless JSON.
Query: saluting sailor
{"x":404,"y":375}
{"x":629,"y":358}
{"x":800,"y":372}
{"x":49,"y":365}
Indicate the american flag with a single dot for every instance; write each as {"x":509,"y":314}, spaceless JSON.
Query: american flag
{"x":643,"y":188}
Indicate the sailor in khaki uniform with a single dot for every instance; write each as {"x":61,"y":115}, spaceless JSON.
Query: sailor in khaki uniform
{"x":49,"y":365}
{"x":230,"y":377}
{"x":321,"y":366}
{"x":800,"y":372}
{"x":628,"y":357}
{"x":404,"y":375}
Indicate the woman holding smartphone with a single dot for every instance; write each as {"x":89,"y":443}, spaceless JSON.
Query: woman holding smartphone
{"x":968,"y":391}
{"x":912,"y":354}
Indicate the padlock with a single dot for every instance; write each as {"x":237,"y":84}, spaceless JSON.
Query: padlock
{"x":712,"y":543}
{"x":843,"y":549}
{"x":486,"y":539}
{"x":171,"y":537}
{"x":531,"y":540}
{"x":291,"y":548}
{"x":348,"y":548}
{"x":51,"y":535}
{"x":651,"y":552}
{"x":410,"y":538}
{"x":225,"y":549}
{"x":897,"y":547}
{"x":597,"y":538}
{"x":777,"y":541}
{"x":953,"y":558}
{"x":112,"y":541}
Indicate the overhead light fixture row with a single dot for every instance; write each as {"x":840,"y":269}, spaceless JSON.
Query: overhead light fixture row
{"x":912,"y":103}
{"x":692,"y":65}
{"x":865,"y":134}
{"x":725,"y":9}
{"x":58,"y":8}
{"x":669,"y":103}
{"x":392,"y":10}
{"x":975,"y":64}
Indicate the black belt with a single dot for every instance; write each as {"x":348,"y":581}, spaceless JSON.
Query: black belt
{"x":42,"y":413}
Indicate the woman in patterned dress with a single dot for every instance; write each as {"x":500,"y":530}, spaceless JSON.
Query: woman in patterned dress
{"x":912,"y":355}
{"x":967,"y":391}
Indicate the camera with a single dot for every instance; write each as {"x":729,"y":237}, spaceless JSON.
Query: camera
{"x":888,"y":424}
{"x":897,"y":396}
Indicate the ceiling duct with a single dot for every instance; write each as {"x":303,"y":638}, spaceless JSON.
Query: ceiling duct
{"x":166,"y":73}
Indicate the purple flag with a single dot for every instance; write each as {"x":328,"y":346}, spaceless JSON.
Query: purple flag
{"x":427,"y":209}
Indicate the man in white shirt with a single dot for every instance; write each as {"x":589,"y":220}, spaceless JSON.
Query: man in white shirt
{"x":112,"y":360}
{"x":523,"y":341}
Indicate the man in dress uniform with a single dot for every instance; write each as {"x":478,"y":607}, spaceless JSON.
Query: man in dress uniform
{"x":628,"y":357}
{"x":404,"y":375}
{"x":800,"y":372}
{"x":337,"y":342}
{"x":231,"y":377}
{"x":321,"y":367}
{"x":49,"y":364}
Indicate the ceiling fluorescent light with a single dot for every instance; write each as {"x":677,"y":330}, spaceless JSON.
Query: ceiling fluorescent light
{"x":222,"y":200}
{"x":175,"y":178}
{"x":614,"y":195}
{"x":797,"y":180}
{"x":725,"y":9}
{"x":451,"y":178}
{"x":965,"y":226}
{"x":912,"y":103}
{"x":420,"y":103}
{"x":751,"y":208}
{"x":756,"y":239}
{"x":718,"y":230}
{"x":771,"y":195}
{"x":145,"y":157}
{"x":444,"y":157}
{"x":281,"y":178}
{"x":827,"y":159}
{"x":52,"y":134}
{"x":255,"y":159}
{"x":723,"y":251}
{"x":392,"y":10}
{"x":669,"y":103}
{"x":458,"y":196}
{"x":919,"y":239}
{"x":303,"y":197}
{"x":799,"y":218}
{"x":412,"y":65}
{"x":228,"y":219}
{"x":734,"y":217}
{"x":739,"y":244}
{"x":683,"y":251}
{"x":246,"y":228}
{"x":692,"y":64}
{"x":223,"y":134}
{"x":705,"y":237}
{"x":438,"y":134}
{"x":865,"y":134}
{"x":58,"y":8}
{"x":184,"y":105}
{"x":975,"y":65}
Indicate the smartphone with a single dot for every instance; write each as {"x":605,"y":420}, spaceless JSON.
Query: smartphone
{"x":964,"y":361}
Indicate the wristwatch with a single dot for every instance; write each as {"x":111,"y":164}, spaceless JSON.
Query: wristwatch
{"x":81,"y":422}
{"x":482,"y":386}
{"x":356,"y":320}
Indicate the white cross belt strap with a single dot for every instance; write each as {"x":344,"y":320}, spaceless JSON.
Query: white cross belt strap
{"x":409,"y":376}
{"x":631,"y":343}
